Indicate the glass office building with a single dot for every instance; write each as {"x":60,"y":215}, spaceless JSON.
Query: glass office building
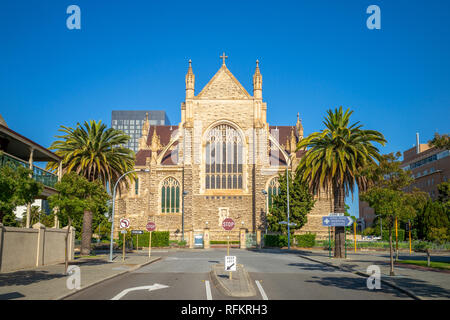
{"x":130,"y":122}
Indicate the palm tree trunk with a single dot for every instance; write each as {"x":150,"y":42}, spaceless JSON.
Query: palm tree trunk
{"x":86,"y":234}
{"x":391,"y":251}
{"x":339,"y":207}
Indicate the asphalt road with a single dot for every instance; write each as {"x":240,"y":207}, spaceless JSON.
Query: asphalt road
{"x":184,"y":275}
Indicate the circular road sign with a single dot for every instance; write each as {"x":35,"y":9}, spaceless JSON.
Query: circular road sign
{"x":124,"y":223}
{"x":151,"y":226}
{"x":228,"y":224}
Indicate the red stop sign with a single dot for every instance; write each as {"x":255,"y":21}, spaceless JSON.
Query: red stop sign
{"x":228,"y":224}
{"x":151,"y":226}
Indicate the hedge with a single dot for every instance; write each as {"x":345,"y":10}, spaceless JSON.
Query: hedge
{"x":159,"y":239}
{"x":223,"y":242}
{"x":306,"y":240}
{"x":275,"y":240}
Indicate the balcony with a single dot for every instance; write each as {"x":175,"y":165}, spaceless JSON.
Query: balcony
{"x":47,"y":178}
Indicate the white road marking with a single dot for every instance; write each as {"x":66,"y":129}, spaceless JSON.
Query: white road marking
{"x":261,"y":290}
{"x":208,"y":291}
{"x":156,"y":286}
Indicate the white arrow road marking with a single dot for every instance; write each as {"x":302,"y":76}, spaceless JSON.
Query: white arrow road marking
{"x":208,"y":291}
{"x":261,"y":290}
{"x":156,"y":286}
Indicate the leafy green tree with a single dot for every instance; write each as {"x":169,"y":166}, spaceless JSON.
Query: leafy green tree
{"x":334,"y":158}
{"x":94,"y":152}
{"x":37,"y":215}
{"x":440,"y":141}
{"x":384,"y":193}
{"x":433,"y":216}
{"x":390,"y":204}
{"x":301,"y":203}
{"x":76,"y":195}
{"x":17,"y":188}
{"x":387,"y":173}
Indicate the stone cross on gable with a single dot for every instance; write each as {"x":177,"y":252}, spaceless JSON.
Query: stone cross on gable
{"x":223,"y":57}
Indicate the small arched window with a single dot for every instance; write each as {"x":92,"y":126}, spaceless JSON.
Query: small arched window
{"x":170,"y":196}
{"x":224,"y":158}
{"x":273,"y":190}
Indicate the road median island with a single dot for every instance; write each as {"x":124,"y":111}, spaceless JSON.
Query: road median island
{"x":240,"y":285}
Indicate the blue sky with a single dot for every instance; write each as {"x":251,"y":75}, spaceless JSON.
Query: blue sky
{"x":314,"y":55}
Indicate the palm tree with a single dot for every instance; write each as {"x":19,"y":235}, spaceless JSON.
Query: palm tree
{"x":334,"y":159}
{"x":95,"y":152}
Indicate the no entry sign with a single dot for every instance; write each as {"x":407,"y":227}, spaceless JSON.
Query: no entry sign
{"x":124,"y":223}
{"x":228,"y":224}
{"x":151,"y":226}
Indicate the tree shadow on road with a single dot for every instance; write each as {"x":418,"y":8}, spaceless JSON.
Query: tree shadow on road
{"x":23,"y":278}
{"x":353,"y":283}
{"x":313,"y":267}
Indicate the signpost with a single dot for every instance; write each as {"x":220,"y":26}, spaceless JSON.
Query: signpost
{"x":124,"y":224}
{"x":137,"y":233}
{"x":336,"y":220}
{"x":408,"y":227}
{"x":151,"y":226}
{"x":228,"y":224}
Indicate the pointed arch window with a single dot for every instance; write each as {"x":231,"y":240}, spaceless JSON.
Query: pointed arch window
{"x":273,"y":190}
{"x":170,"y":196}
{"x":224,"y":158}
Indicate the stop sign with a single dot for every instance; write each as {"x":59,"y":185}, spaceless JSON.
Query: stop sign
{"x":228,"y":224}
{"x":151,"y":226}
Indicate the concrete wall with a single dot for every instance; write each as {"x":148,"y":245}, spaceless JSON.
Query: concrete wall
{"x":22,"y":248}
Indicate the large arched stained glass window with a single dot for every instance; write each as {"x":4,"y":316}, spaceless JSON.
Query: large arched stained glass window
{"x":170,"y":196}
{"x":224,"y":158}
{"x":274,"y":189}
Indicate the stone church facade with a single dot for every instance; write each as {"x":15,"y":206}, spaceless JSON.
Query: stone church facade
{"x":215,"y":164}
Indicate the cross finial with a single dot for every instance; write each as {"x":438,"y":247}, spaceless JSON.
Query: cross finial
{"x":223,"y":57}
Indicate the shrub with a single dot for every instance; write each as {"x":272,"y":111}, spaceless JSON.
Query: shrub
{"x":275,"y":240}
{"x":223,"y":242}
{"x":306,"y":240}
{"x":159,"y":239}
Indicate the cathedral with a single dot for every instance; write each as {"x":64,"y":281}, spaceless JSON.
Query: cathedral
{"x":221,"y":161}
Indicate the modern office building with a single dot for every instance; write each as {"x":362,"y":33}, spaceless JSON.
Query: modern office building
{"x":429,"y":166}
{"x":131,"y":121}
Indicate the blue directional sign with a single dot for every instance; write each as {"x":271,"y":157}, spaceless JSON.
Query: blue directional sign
{"x":337,"y":221}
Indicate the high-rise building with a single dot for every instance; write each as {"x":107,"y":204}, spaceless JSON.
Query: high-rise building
{"x":429,"y":167}
{"x":131,"y":121}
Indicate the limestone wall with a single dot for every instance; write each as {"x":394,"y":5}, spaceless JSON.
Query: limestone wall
{"x":22,"y":248}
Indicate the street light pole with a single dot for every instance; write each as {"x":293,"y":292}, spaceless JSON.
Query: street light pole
{"x":113,"y":207}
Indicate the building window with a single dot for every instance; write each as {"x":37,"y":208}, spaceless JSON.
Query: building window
{"x":136,"y":186}
{"x":224,"y":158}
{"x":273,"y":190}
{"x":170,"y":196}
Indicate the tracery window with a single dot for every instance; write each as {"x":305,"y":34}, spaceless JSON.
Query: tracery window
{"x":224,"y":158}
{"x":273,"y":190}
{"x":170,"y":196}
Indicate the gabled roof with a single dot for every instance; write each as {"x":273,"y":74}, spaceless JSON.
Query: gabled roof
{"x":224,"y":86}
